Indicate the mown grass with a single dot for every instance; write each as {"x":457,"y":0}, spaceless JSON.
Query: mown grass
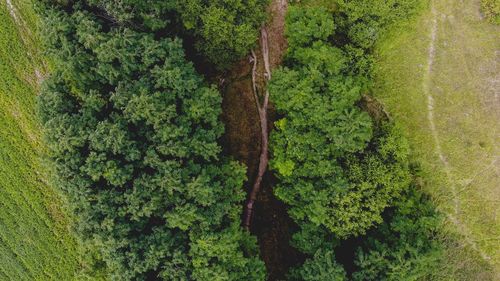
{"x":464,"y":83}
{"x":35,"y":243}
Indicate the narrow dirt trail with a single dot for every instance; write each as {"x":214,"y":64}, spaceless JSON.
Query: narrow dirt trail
{"x":243,"y":140}
{"x":13,"y":11}
{"x":454,"y":46}
{"x":426,"y":87}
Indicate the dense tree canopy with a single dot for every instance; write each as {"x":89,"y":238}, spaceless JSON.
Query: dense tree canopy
{"x":334,"y":172}
{"x":322,"y":267}
{"x":342,"y":172}
{"x":225,"y":29}
{"x":404,"y":247}
{"x":132,"y":131}
{"x":364,"y":20}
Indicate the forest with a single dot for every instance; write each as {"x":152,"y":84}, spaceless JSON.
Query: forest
{"x":236,"y":140}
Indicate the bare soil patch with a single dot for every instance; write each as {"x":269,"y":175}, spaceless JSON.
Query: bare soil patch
{"x":242,"y":140}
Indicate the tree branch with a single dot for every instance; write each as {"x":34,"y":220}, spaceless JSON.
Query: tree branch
{"x":262,"y":109}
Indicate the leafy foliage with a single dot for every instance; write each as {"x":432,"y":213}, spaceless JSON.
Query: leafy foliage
{"x":405,"y":247}
{"x":322,"y":267}
{"x":132,"y":131}
{"x":340,"y":170}
{"x":226,"y":30}
{"x":305,"y":26}
{"x":150,"y":15}
{"x":223,"y":30}
{"x":333,"y":171}
{"x":364,"y":20}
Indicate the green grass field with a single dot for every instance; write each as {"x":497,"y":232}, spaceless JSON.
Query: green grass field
{"x":35,"y":243}
{"x":438,"y":76}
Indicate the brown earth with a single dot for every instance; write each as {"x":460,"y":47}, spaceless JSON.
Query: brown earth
{"x":242,"y":140}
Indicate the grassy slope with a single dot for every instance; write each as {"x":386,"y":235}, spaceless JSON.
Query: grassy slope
{"x":34,"y":239}
{"x":458,"y":149}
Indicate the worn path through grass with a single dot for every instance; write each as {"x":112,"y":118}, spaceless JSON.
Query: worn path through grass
{"x":440,"y":79}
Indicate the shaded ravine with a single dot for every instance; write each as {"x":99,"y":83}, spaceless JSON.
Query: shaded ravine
{"x":243,"y":140}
